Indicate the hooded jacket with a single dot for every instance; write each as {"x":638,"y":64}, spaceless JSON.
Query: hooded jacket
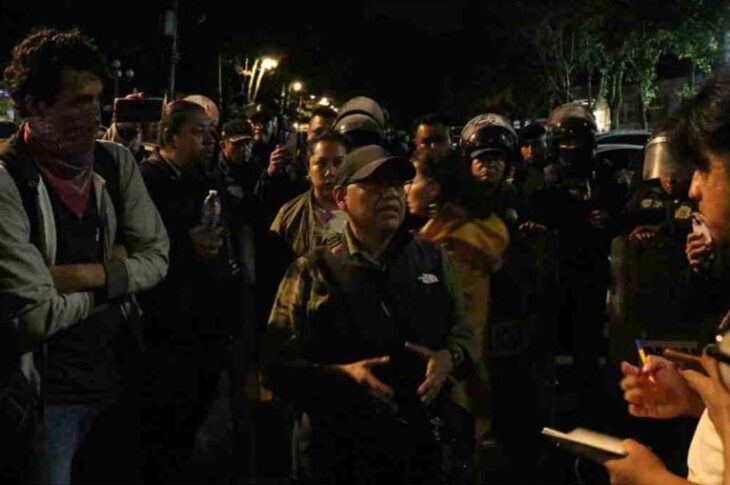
{"x":29,"y":300}
{"x":476,"y":247}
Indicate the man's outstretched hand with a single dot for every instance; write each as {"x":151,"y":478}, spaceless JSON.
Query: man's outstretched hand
{"x":438,"y":369}
{"x":361,"y":373}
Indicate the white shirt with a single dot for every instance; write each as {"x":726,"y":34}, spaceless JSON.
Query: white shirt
{"x":705,"y":459}
{"x":329,"y":223}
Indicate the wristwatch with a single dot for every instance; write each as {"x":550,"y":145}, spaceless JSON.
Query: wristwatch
{"x":457,"y":355}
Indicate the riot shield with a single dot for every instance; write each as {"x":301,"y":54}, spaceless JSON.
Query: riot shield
{"x":520,"y":348}
{"x":651,"y":295}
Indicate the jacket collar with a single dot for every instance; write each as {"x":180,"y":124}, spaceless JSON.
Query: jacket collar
{"x":361,"y":255}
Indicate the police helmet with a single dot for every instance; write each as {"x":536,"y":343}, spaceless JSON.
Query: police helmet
{"x":489,"y":132}
{"x":361,"y":121}
{"x":658,"y":161}
{"x":571,"y":130}
{"x":531,"y":133}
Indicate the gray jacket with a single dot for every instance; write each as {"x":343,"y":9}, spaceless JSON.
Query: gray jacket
{"x":29,"y":300}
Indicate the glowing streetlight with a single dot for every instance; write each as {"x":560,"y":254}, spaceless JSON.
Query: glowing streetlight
{"x":265,"y":64}
{"x":297,"y":88}
{"x":269,"y":64}
{"x":118,"y":74}
{"x":312,"y":97}
{"x":324,"y":101}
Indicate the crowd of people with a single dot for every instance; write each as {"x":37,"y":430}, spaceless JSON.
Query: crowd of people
{"x":407,"y":307}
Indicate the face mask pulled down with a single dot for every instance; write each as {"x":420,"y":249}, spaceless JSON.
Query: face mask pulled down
{"x":68,"y":136}
{"x":65,"y":145}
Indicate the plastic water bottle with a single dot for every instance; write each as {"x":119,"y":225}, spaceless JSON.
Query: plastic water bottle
{"x":211,"y":213}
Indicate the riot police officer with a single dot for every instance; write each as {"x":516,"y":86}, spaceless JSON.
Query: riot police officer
{"x":654,"y":280}
{"x":533,"y":148}
{"x":515,"y":358}
{"x":662,"y":201}
{"x":489,"y":144}
{"x":581,"y":205}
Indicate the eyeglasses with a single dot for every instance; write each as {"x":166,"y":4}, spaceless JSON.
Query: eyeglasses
{"x":717,"y":354}
{"x":720,"y":350}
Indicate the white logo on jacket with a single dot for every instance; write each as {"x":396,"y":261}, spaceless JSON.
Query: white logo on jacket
{"x":428,"y":279}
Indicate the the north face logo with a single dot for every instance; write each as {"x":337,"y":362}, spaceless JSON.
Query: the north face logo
{"x":428,"y":279}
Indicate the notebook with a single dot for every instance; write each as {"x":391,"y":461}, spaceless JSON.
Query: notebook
{"x":589,"y":444}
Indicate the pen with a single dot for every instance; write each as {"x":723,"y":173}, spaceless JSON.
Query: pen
{"x":642,"y":356}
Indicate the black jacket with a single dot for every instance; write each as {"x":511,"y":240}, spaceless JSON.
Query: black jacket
{"x":191,"y":300}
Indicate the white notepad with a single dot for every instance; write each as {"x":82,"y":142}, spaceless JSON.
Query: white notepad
{"x":588,"y":443}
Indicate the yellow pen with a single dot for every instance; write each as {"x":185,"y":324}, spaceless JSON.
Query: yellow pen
{"x":642,"y":356}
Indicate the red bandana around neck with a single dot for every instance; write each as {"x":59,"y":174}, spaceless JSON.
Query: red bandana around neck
{"x":72,"y":182}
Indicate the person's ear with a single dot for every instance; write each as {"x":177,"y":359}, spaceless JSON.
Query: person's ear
{"x":340,"y":195}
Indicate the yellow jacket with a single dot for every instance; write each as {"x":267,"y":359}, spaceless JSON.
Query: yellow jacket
{"x":476,"y":247}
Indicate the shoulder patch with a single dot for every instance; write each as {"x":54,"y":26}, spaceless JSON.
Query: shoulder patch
{"x":683,"y":213}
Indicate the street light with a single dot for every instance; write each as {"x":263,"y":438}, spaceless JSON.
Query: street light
{"x":264,"y":64}
{"x":170,"y":31}
{"x":269,"y":63}
{"x":324,"y":101}
{"x":117,"y":74}
{"x":297,"y":87}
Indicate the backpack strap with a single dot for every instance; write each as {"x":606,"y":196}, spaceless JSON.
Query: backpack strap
{"x":26,"y":177}
{"x":106,"y":165}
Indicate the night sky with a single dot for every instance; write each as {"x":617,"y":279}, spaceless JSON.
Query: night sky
{"x":455,"y":57}
{"x":414,"y":57}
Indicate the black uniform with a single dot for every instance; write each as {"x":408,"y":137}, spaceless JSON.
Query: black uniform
{"x":582,"y":271}
{"x":192,"y":317}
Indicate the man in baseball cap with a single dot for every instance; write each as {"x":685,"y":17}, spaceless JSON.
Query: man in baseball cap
{"x":355,"y":328}
{"x":236,"y":142}
{"x":363,"y":162}
{"x":369,"y":188}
